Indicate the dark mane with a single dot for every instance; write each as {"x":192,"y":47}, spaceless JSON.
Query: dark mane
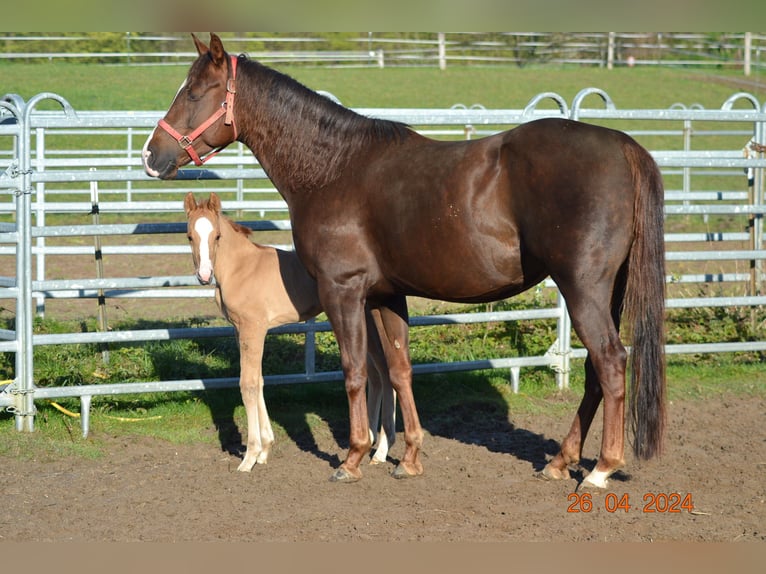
{"x":325,"y":139}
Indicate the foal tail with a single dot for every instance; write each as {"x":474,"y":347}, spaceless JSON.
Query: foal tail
{"x":644,"y":306}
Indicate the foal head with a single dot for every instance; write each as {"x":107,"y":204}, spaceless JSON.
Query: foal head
{"x":203,"y":229}
{"x":200,"y":119}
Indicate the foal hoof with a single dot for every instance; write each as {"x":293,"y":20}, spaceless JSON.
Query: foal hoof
{"x":551,"y":473}
{"x":407,"y":471}
{"x":344,"y":475}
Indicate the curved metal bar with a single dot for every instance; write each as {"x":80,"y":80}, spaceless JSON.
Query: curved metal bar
{"x":731,"y":100}
{"x":584,"y":93}
{"x":531,"y":107}
{"x":68,"y":109}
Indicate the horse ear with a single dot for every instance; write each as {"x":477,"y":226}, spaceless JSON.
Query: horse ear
{"x":189,"y":203}
{"x":201,"y":47}
{"x":217,"y":53}
{"x":215,"y":202}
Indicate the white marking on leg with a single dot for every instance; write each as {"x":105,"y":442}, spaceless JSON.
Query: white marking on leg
{"x":597,"y":478}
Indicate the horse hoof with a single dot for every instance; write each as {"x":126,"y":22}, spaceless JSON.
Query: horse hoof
{"x":375,"y":461}
{"x":343,"y":475}
{"x":551,"y":473}
{"x":401,"y":471}
{"x":596,"y":479}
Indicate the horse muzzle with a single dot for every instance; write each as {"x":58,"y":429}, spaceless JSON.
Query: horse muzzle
{"x":168,"y":171}
{"x":204,"y":275}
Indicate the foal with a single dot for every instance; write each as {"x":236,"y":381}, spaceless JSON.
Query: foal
{"x":257,"y":288}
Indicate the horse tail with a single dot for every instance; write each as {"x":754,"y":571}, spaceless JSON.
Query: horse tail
{"x":644,"y":306}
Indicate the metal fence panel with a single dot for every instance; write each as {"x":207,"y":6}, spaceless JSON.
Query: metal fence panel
{"x":33,"y":176}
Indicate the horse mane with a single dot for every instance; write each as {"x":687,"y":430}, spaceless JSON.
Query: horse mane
{"x":237,"y":227}
{"x":303,"y":126}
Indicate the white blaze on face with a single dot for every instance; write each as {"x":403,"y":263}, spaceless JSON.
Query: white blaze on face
{"x":203,"y":228}
{"x":145,"y":153}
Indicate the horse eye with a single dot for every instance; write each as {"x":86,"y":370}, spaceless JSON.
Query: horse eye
{"x":192,"y":96}
{"x":189,"y":237}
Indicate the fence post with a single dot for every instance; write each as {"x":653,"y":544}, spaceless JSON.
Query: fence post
{"x":758,"y":200}
{"x":24,"y":408}
{"x":442,"y":51}
{"x":309,"y":357}
{"x":95,"y":213}
{"x":564,"y":344}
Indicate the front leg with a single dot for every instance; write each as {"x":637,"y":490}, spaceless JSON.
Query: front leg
{"x":260,"y":435}
{"x":344,"y":306}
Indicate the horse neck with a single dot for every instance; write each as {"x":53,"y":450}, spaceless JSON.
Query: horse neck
{"x":301,"y":139}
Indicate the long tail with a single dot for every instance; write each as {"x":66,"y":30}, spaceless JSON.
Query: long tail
{"x":644,"y":306}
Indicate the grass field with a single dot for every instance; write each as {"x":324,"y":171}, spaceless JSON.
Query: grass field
{"x":180,"y":416}
{"x":103,"y":87}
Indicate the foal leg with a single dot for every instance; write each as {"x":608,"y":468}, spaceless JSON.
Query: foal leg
{"x":387,"y":434}
{"x":260,"y":435}
{"x":391,"y":322}
{"x":605,"y":378}
{"x":380,"y":396}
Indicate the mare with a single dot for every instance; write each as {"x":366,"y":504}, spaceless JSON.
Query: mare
{"x":257,"y":288}
{"x":380,"y":212}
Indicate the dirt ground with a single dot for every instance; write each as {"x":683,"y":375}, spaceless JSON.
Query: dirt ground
{"x":480,"y":481}
{"x":478,"y":485}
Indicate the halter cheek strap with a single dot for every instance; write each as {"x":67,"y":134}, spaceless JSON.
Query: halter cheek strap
{"x":226,"y":110}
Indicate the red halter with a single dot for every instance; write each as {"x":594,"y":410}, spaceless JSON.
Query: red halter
{"x":227,"y":109}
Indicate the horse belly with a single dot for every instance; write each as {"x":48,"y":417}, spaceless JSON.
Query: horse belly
{"x":446,"y":230}
{"x":482,"y":269}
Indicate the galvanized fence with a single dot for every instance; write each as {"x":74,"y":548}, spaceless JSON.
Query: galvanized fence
{"x":694,"y":147}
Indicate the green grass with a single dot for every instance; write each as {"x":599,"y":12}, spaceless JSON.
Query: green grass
{"x":102,"y":87}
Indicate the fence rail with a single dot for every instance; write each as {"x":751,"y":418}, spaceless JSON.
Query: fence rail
{"x":43,"y":181}
{"x":735,"y":50}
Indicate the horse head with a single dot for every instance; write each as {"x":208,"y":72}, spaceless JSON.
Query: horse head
{"x":203,"y":229}
{"x":200,"y":120}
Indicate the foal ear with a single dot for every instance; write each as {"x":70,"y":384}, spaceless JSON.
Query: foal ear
{"x":201,"y":47}
{"x":217,"y":53}
{"x":214,"y":202}
{"x":189,"y":203}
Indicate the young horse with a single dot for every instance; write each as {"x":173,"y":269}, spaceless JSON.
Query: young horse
{"x":380,"y":212}
{"x":256,"y":288}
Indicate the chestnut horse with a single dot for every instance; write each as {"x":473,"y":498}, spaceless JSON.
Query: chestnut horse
{"x":380,"y":212}
{"x":257,"y":288}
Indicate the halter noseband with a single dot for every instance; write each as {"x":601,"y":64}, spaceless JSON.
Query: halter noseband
{"x":226,"y":109}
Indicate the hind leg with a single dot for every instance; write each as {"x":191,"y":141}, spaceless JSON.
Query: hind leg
{"x":381,"y":412}
{"x":392,"y":326}
{"x":571,"y":446}
{"x":380,"y":395}
{"x":605,"y":379}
